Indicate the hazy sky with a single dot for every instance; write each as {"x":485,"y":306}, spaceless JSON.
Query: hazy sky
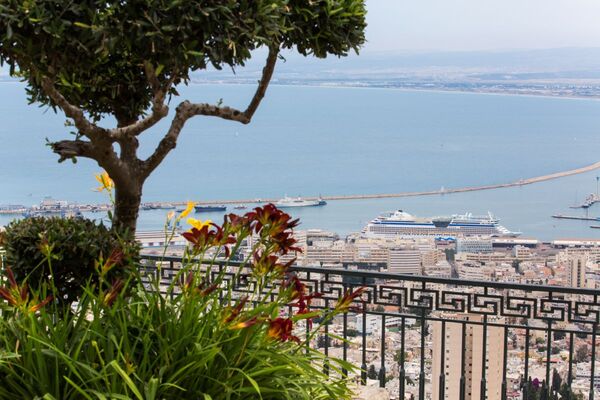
{"x":482,"y":24}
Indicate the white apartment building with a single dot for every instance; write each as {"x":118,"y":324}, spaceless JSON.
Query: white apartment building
{"x":474,"y":244}
{"x":450,"y":338}
{"x":404,"y":260}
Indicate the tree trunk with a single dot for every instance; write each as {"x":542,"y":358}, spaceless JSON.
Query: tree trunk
{"x":127,"y":207}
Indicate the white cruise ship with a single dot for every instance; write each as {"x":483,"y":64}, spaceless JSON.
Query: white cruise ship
{"x":288,"y":202}
{"x":400,"y":223}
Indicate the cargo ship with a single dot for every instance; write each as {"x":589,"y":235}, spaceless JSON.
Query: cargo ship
{"x":210,"y":208}
{"x":401,"y":223}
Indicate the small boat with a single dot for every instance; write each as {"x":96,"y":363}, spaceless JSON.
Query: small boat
{"x":210,"y":208}
{"x":239,"y":207}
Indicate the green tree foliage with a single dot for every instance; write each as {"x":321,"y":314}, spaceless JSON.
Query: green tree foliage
{"x":559,"y":335}
{"x":399,"y":357}
{"x":372,"y":372}
{"x":124,"y":58}
{"x":323,"y":341}
{"x":582,"y":353}
{"x":566,"y":393}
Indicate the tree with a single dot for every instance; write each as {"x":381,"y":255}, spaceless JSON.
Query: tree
{"x":323,"y":341}
{"x":556,"y":381}
{"x":372,"y":372}
{"x":126,"y":58}
{"x":350,"y":332}
{"x":582,"y":353}
{"x":399,"y":357}
{"x":567,"y":393}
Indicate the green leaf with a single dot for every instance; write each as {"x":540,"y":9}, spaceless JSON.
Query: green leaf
{"x":127,"y":379}
{"x":82,"y":25}
{"x":249,"y":378}
{"x":150,"y":389}
{"x":78,"y":388}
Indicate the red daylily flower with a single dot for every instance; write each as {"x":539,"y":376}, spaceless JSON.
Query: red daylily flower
{"x":266,"y":264}
{"x":273,"y":223}
{"x":113,"y":293}
{"x":209,"y":237}
{"x":203,"y":288}
{"x":234,"y":312}
{"x":245,"y":324}
{"x":197,"y":237}
{"x":18,"y":296}
{"x":345,"y":303}
{"x":238,"y":225}
{"x":302,"y":301}
{"x":115,"y":258}
{"x":281,"y":329}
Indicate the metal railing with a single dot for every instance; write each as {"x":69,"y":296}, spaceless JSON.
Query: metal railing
{"x":435,"y":338}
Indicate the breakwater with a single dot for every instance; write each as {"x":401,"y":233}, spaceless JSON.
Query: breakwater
{"x":442,"y":191}
{"x":521,"y":182}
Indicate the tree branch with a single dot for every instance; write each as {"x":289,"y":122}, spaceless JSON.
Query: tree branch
{"x":169,"y":141}
{"x":267,"y":74}
{"x":233,"y":114}
{"x":159,"y":109}
{"x":187,"y":110}
{"x":67,"y":149}
{"x":84,"y":126}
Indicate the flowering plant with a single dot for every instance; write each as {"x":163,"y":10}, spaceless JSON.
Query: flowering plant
{"x":267,"y":234}
{"x":216,"y":329}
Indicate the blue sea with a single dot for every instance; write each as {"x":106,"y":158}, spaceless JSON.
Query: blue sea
{"x":306,"y":141}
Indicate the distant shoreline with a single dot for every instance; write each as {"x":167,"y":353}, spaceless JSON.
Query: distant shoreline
{"x":405,"y":89}
{"x":374,"y":87}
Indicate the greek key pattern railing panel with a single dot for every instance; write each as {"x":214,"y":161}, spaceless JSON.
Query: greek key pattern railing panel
{"x":417,"y":295}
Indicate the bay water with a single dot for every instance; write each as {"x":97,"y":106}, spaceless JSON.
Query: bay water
{"x":306,"y":141}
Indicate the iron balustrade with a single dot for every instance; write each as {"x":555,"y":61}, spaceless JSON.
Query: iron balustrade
{"x":469,"y":332}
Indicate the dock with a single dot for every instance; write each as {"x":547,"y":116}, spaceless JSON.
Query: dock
{"x":560,"y":216}
{"x":589,"y":201}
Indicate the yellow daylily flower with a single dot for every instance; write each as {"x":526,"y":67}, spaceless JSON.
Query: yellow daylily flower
{"x":188,"y":209}
{"x":170,"y":215}
{"x":196,"y":223}
{"x":105,"y":182}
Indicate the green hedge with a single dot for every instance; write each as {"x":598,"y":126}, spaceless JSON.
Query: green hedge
{"x":71,"y":251}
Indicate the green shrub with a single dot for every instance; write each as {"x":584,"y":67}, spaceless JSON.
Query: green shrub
{"x":199,"y":339}
{"x":73,"y":251}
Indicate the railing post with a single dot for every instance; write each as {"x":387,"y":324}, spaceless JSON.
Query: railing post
{"x":363,"y":367}
{"x":326,"y":364}
{"x":504,"y":362}
{"x":442,"y":377}
{"x":483,"y":383}
{"x":548,"y":353}
{"x":422,"y":366}
{"x":526,"y":375}
{"x":382,"y":355}
{"x":463,"y":361}
{"x":402,"y":360}
{"x":593,"y":364}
